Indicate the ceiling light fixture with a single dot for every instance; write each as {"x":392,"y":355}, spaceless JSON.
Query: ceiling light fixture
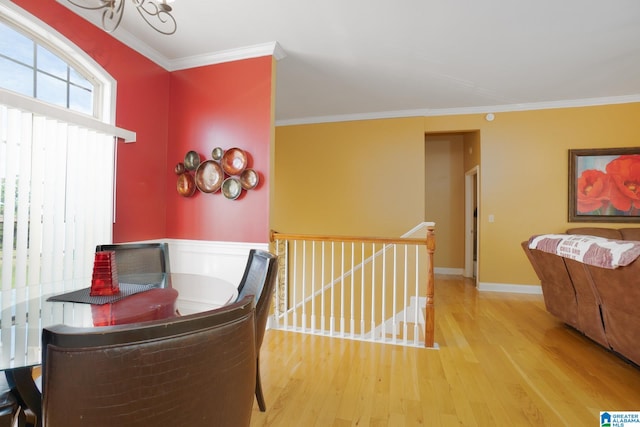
{"x":156,"y":13}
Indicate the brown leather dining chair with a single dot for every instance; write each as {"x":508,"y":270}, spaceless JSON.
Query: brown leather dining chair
{"x":259,"y":280}
{"x":255,"y":272}
{"x":195,"y":370}
{"x":139,"y":259}
{"x":10,"y":411}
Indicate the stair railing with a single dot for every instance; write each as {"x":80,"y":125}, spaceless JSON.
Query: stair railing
{"x":366,"y":288}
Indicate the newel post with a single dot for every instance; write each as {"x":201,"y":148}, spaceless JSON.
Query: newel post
{"x":429,"y":308}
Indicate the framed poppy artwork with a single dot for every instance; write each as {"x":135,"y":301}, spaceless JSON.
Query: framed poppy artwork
{"x":604,"y":185}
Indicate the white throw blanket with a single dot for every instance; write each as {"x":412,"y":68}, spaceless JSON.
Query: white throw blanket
{"x":591,"y":250}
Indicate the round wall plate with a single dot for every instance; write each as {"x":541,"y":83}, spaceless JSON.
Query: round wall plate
{"x":209,"y":176}
{"x":186,"y":185}
{"x":234,"y":161}
{"x":249,"y":179}
{"x":231,"y":188}
{"x":191,"y":160}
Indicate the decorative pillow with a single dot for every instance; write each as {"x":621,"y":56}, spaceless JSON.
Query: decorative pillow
{"x":592,"y":250}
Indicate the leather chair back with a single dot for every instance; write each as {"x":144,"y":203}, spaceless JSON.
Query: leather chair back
{"x":134,"y":258}
{"x":9,"y":408}
{"x":196,"y":370}
{"x":259,"y":281}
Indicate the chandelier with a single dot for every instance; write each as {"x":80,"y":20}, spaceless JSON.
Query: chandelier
{"x":156,"y":13}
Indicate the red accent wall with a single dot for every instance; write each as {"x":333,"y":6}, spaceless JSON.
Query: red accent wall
{"x":142,"y":106}
{"x":224,"y":105}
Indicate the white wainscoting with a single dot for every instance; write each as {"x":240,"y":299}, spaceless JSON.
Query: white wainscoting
{"x":226,"y":260}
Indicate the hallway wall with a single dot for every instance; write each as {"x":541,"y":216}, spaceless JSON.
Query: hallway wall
{"x":444,"y":198}
{"x":368,"y":177}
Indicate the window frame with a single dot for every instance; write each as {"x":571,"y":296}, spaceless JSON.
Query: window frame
{"x":104,"y":94}
{"x":105,"y":90}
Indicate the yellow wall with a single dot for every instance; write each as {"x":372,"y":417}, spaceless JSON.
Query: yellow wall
{"x":471,"y":150}
{"x":368,"y":177}
{"x":349,"y":178}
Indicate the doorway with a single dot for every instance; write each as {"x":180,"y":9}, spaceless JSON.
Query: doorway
{"x":471,"y":183}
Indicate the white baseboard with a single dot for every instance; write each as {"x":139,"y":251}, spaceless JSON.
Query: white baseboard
{"x":448,"y":271}
{"x":510,"y":288}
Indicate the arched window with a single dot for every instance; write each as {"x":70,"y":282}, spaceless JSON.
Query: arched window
{"x":56,"y":164}
{"x":32,"y":69}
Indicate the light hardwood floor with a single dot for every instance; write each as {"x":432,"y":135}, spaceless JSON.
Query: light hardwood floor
{"x":502,"y":361}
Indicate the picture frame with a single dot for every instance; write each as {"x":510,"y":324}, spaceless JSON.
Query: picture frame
{"x":604,"y":185}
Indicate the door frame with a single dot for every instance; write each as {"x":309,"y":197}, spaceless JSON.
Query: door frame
{"x":471,"y":191}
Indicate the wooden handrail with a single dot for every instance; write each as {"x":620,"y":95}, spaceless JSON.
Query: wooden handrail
{"x":429,"y":242}
{"x":324,"y":238}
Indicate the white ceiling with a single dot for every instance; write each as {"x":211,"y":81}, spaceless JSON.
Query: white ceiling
{"x":354,"y":59}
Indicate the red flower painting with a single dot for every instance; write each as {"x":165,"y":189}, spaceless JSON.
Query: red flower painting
{"x":625,"y":179}
{"x":592,"y":190}
{"x":612,"y":191}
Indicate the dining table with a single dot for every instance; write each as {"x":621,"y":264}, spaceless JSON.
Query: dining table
{"x":140,"y":298}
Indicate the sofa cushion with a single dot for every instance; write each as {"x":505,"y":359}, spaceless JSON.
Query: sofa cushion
{"x":630,"y":233}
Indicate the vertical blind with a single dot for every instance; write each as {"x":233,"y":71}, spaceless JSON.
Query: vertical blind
{"x":57,"y":200}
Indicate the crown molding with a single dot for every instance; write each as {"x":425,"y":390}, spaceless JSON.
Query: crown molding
{"x":264,"y":49}
{"x":255,"y":51}
{"x":122,"y":35}
{"x":433,"y":112}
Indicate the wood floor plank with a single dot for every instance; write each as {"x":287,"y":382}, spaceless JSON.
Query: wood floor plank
{"x":502,"y":360}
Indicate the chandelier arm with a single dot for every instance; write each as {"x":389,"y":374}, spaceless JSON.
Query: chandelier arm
{"x":162,"y":18}
{"x":84,"y":6}
{"x":111,"y":17}
{"x":157,"y":17}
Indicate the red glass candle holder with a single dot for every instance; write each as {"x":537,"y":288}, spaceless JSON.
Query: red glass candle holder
{"x":105,"y":274}
{"x":101,"y":315}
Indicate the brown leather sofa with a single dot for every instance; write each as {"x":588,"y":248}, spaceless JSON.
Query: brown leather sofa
{"x":601,"y":303}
